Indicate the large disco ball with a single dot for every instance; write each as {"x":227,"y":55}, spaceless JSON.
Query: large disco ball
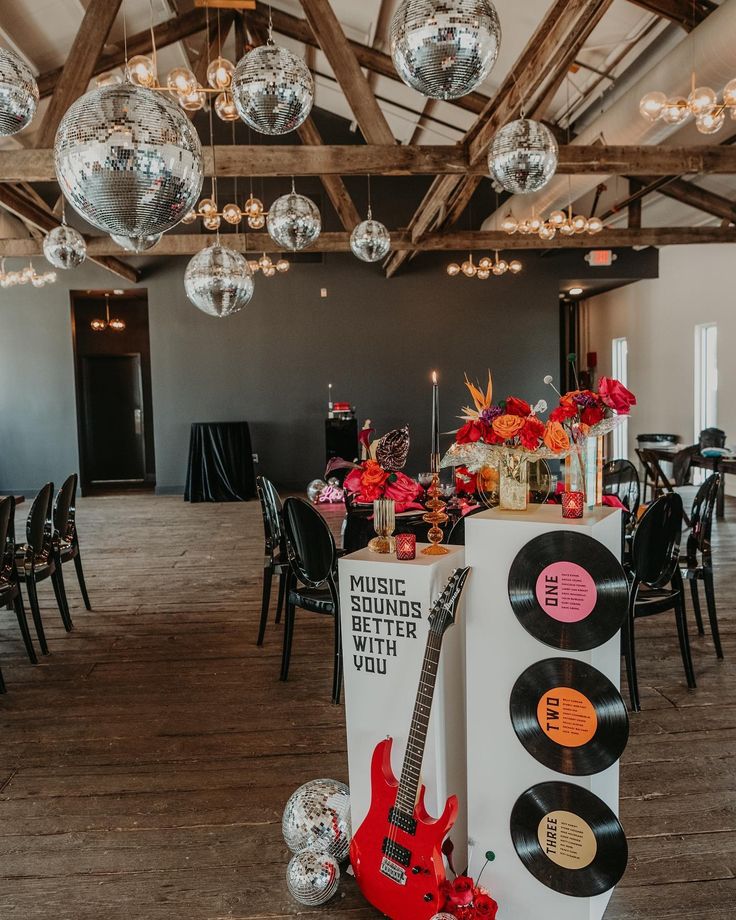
{"x":293,"y":221}
{"x":218,"y":281}
{"x":64,"y":247}
{"x":312,"y":878}
{"x":273,"y":89}
{"x":317,"y":817}
{"x":18,"y":93}
{"x":129,"y":160}
{"x":523,"y":156}
{"x":136,"y":244}
{"x":370,"y":241}
{"x":445,"y":48}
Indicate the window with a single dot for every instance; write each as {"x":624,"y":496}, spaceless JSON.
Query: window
{"x":706,"y":377}
{"x":620,"y":371}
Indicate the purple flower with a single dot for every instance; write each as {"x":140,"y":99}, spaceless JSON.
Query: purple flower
{"x":585,"y":400}
{"x":488,"y":415}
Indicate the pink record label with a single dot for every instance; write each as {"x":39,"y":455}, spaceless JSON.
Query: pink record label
{"x":566,"y":592}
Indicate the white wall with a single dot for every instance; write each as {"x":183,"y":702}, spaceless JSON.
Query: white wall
{"x":696,"y":285}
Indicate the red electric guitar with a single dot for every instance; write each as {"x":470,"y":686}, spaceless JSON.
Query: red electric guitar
{"x":396,"y":852}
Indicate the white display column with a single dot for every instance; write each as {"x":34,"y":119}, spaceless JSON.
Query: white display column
{"x":384,"y":606}
{"x":498,"y":650}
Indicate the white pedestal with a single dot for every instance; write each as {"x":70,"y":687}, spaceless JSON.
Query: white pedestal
{"x":384,"y":607}
{"x":498,"y":650}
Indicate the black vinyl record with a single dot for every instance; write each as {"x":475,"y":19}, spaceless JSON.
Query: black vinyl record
{"x":568,"y":590}
{"x":569,"y":716}
{"x":569,"y":839}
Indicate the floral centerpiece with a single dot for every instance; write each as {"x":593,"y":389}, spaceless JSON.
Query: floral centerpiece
{"x":463,"y":897}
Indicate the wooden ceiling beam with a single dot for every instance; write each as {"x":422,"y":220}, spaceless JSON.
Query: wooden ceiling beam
{"x":39,"y":216}
{"x":18,"y":165}
{"x":690,"y":194}
{"x":336,"y":48}
{"x":686,"y":13}
{"x":79,"y":67}
{"x":461,"y":241}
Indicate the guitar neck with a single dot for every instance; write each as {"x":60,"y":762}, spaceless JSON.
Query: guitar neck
{"x":412,"y":768}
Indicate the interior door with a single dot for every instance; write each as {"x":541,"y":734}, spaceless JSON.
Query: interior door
{"x":114,"y":446}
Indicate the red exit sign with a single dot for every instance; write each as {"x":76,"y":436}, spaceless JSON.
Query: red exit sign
{"x":600,"y":257}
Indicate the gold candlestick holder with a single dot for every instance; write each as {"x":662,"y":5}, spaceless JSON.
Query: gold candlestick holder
{"x":435,"y":516}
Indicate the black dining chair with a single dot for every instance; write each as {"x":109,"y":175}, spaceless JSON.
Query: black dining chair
{"x":312,"y":578}
{"x":275,"y":559}
{"x":10,"y":593}
{"x":36,"y":561}
{"x":66,"y":537}
{"x":656,"y":582}
{"x":621,"y":478}
{"x":699,"y":556}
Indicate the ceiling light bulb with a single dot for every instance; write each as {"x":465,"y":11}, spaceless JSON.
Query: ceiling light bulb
{"x":253,"y":207}
{"x":181,"y":81}
{"x":595,"y":225}
{"x":110,"y":78}
{"x":483,"y":273}
{"x":515,"y":266}
{"x":212,"y":222}
{"x":141,"y":70}
{"x":282,"y":265}
{"x":98,"y":325}
{"x":701,"y":100}
{"x":557,"y":218}
{"x":226,"y":108}
{"x":220,"y":73}
{"x":232,"y":213}
{"x":468,"y":268}
{"x":524,"y":226}
{"x":675,"y":111}
{"x":546,"y":232}
{"x":729,"y":93}
{"x":567,"y":229}
{"x":579,"y":223}
{"x":189,"y":217}
{"x":485,"y":263}
{"x":652,"y":106}
{"x":207,"y":207}
{"x":534,"y":224}
{"x":453,"y":269}
{"x":575,"y":291}
{"x":509,"y":224}
{"x":257,"y":223}
{"x":192,"y":101}
{"x":710,"y":122}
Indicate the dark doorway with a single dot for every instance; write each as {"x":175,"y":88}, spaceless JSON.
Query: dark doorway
{"x":114,"y":405}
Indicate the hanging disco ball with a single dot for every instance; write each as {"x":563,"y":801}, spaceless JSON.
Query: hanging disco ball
{"x":312,"y":878}
{"x":370,"y":241}
{"x":136,"y":244}
{"x":64,"y":247}
{"x":445,"y":48}
{"x":128,"y":160}
{"x":218,"y":281}
{"x":293,"y":221}
{"x":317,"y":817}
{"x":272,"y":89}
{"x":523,"y":156}
{"x":18,"y":93}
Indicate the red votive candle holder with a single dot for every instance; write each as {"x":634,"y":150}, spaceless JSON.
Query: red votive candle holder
{"x":573,"y":504}
{"x":406,"y":546}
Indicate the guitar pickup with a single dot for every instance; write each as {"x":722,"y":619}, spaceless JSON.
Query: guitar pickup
{"x":392,"y":871}
{"x":396,"y":852}
{"x":403,"y":821}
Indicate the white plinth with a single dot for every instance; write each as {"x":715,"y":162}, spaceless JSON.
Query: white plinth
{"x":498,"y":650}
{"x":384,"y":606}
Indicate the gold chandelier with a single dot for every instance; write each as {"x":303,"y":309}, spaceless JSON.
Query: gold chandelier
{"x":252,"y":212}
{"x":27,"y":275}
{"x":702,"y":104}
{"x":114,"y":324}
{"x":484,"y":268}
{"x":566,"y":224}
{"x":268,"y":267}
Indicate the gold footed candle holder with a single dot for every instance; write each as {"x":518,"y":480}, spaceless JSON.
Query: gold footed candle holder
{"x":435,"y":516}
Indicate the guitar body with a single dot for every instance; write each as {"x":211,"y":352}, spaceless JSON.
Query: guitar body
{"x":403,"y":879}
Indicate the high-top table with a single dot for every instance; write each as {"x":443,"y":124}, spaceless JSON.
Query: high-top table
{"x":714,"y":464}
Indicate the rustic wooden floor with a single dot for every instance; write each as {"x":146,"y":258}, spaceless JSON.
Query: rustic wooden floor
{"x":145,"y":763}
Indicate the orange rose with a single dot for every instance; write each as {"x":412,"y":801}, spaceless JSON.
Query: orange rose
{"x":373,"y":474}
{"x":507,"y":426}
{"x":555,"y":437}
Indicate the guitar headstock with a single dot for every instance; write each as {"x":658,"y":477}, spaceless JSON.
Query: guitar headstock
{"x":442,"y":614}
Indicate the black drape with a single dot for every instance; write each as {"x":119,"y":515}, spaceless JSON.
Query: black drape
{"x":220,"y":463}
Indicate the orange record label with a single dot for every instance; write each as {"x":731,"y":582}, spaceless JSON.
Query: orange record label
{"x":567,"y":717}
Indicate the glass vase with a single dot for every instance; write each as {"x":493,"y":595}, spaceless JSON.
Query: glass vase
{"x":384,"y":523}
{"x":513,"y":482}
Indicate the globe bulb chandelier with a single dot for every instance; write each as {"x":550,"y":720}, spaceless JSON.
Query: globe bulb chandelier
{"x":273,"y":89}
{"x":211,"y":216}
{"x":128,"y":160}
{"x":702,"y":104}
{"x":566,"y":224}
{"x":18,"y":93}
{"x":113,"y":324}
{"x":26,"y":275}
{"x":294,"y":221}
{"x":64,"y":247}
{"x":218,"y":281}
{"x":523,"y":156}
{"x":445,"y":48}
{"x":370,"y":241}
{"x":484,"y":268}
{"x":268,"y":267}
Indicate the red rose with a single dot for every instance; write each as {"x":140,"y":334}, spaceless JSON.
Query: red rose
{"x":615,"y":395}
{"x":470,"y":432}
{"x":515,"y":406}
{"x":485,"y":907}
{"x":532,"y":433}
{"x":561,"y":414}
{"x":466,"y":483}
{"x":592,"y":415}
{"x":462,"y":891}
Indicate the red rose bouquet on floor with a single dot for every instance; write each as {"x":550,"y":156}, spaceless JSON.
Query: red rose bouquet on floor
{"x":464,"y":898}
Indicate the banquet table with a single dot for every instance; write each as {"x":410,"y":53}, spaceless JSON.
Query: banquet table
{"x":714,"y":464}
{"x":220,"y":463}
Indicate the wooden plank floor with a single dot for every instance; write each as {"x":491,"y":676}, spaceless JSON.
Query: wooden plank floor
{"x":145,"y":763}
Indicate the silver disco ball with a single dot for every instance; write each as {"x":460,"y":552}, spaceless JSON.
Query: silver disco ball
{"x":129,"y":160}
{"x":523,"y":156}
{"x":293,"y":221}
{"x":370,"y":241}
{"x":445,"y":48}
{"x":317,"y":817}
{"x":312,"y":878}
{"x":18,"y":93}
{"x":314,"y":488}
{"x":218,"y":281}
{"x":273,"y":89}
{"x":64,"y":247}
{"x":136,"y":244}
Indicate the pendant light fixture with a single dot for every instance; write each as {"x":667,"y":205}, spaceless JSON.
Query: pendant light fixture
{"x":114,"y":324}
